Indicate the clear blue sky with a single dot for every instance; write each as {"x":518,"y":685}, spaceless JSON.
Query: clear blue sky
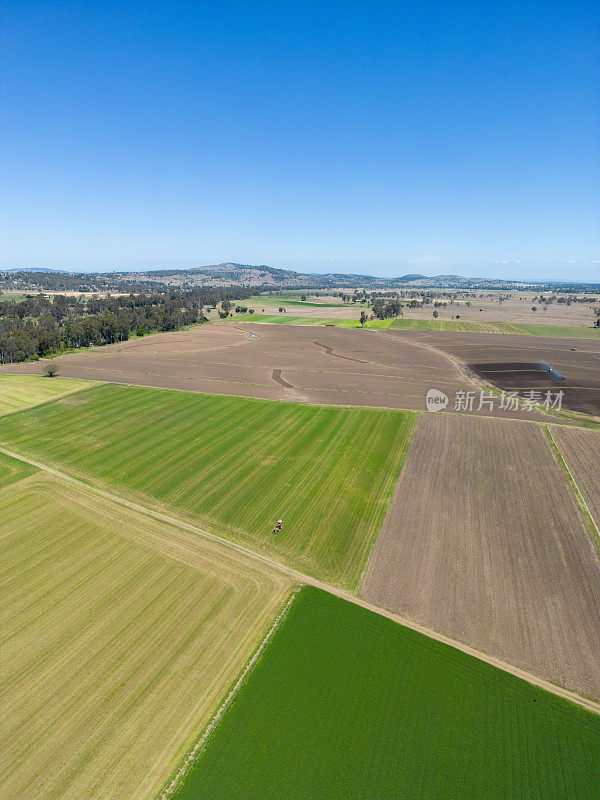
{"x":371,"y":137}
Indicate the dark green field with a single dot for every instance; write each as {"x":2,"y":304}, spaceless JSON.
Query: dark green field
{"x":234,"y":465}
{"x":347,"y":704}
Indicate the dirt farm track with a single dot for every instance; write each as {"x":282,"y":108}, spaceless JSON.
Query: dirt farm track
{"x":318,"y":364}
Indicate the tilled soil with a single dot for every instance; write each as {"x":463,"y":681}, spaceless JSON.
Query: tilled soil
{"x":577,"y":361}
{"x":483,"y":541}
{"x":580,"y":449}
{"x":333,"y":366}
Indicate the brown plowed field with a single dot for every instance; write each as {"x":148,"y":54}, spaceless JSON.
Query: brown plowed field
{"x":580,"y":368}
{"x":580,"y":449}
{"x":333,"y":366}
{"x":483,"y":541}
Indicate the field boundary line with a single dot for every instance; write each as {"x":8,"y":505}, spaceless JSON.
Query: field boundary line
{"x":587,"y":514}
{"x":299,"y":577}
{"x":198,"y":747}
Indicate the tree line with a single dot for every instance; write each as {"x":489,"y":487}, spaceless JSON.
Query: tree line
{"x":40,"y":326}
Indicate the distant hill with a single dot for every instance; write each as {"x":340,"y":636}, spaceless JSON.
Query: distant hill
{"x":229,"y":273}
{"x":261,"y":277}
{"x":36,"y":269}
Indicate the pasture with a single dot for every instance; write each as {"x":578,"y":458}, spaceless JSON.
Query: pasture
{"x":524,"y":577}
{"x":345,"y":703}
{"x":120,"y":635}
{"x":21,"y":391}
{"x":233,"y":465}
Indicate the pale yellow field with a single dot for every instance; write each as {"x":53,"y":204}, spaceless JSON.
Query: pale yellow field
{"x":23,"y":391}
{"x":120,"y":635}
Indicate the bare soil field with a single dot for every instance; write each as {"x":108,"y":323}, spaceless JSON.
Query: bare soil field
{"x":120,"y":635}
{"x":332,"y":366}
{"x":484,"y":541}
{"x":581,"y":451}
{"x":576,"y":360}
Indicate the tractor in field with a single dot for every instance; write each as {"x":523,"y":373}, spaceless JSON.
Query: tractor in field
{"x":278,"y":526}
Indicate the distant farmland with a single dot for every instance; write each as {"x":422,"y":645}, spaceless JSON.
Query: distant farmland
{"x":235,"y":465}
{"x":347,"y":704}
{"x":120,"y":635}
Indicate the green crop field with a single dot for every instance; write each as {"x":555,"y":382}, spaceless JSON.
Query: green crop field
{"x":120,"y":635}
{"x":454,"y":325}
{"x":234,"y":465}
{"x":285,"y":319}
{"x":12,"y":470}
{"x":15,"y":296}
{"x":22,"y":391}
{"x":566,"y":331}
{"x":347,"y":704}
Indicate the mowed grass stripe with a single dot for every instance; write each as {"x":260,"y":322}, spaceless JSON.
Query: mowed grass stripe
{"x":13,"y":470}
{"x":347,"y":704}
{"x":120,"y":653}
{"x":234,"y":465}
{"x":22,"y":391}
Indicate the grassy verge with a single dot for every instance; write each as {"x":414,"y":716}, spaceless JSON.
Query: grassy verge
{"x":345,"y":703}
{"x":589,"y":520}
{"x":234,"y":465}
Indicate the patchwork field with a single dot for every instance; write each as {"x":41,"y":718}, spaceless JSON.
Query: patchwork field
{"x":333,"y":366}
{"x":581,"y":451}
{"x":484,"y":541}
{"x":234,"y":465}
{"x":345,"y":703}
{"x":22,"y":391}
{"x":120,"y":635}
{"x":381,"y":324}
{"x":476,"y":307}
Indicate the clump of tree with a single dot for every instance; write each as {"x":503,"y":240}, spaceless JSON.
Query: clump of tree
{"x":385,"y":309}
